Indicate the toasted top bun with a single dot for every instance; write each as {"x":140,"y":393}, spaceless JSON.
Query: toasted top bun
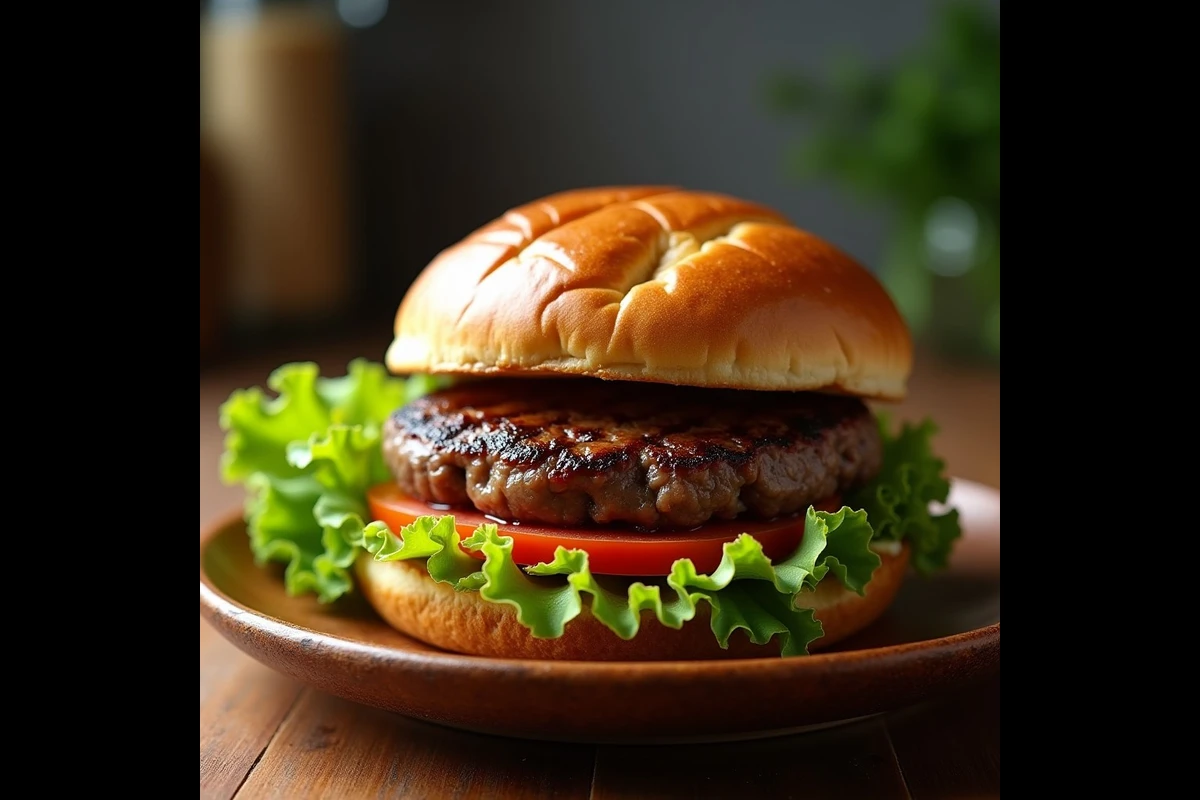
{"x":410,"y":601}
{"x":654,"y":284}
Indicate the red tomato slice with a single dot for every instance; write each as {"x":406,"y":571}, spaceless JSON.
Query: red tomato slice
{"x":611,"y":550}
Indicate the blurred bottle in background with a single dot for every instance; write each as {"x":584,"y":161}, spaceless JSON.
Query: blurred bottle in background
{"x":273,"y":116}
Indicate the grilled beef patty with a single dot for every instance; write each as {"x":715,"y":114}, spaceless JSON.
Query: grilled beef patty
{"x":577,"y":452}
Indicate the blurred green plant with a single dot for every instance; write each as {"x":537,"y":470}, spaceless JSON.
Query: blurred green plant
{"x":921,"y":136}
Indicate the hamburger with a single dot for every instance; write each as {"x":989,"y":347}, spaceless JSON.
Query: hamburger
{"x":629,"y":423}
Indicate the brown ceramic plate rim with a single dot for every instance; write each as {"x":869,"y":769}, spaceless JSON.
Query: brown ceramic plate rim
{"x":226,"y":613}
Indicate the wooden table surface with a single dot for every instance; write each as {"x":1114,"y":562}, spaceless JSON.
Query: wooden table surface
{"x":264,"y":735}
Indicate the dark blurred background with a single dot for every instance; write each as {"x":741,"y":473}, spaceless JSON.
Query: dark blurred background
{"x":344,"y":143}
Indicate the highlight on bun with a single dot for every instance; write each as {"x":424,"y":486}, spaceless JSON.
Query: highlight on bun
{"x":654,"y":284}
{"x":408,"y":599}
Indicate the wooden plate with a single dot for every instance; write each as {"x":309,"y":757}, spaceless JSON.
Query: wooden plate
{"x":940,"y":633}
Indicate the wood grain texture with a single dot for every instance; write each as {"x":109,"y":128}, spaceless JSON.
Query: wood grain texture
{"x":851,"y":761}
{"x":333,"y":748}
{"x":242,"y":704}
{"x":951,"y":748}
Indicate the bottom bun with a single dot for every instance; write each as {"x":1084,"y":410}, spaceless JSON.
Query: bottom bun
{"x":408,"y":599}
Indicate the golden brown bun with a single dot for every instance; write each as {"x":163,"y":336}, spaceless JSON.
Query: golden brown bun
{"x":654,"y":284}
{"x":408,"y":599}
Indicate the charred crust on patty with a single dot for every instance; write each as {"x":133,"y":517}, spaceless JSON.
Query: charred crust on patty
{"x":578,"y":452}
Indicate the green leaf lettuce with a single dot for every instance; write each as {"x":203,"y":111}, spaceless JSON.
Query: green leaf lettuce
{"x":899,"y":501}
{"x":745,"y":591}
{"x":307,"y":458}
